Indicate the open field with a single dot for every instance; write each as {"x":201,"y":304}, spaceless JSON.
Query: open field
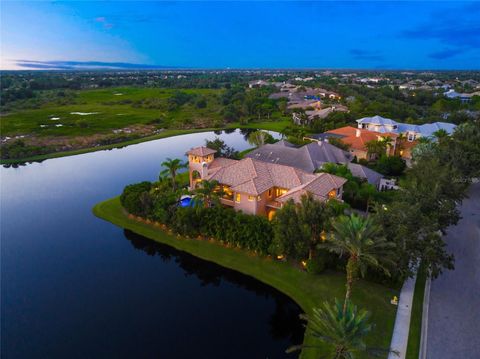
{"x":306,"y":289}
{"x":100,"y":111}
{"x":92,"y":120}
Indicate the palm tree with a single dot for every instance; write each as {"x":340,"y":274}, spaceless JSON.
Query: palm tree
{"x":345,"y":330}
{"x":313,"y":216}
{"x":258,"y":138}
{"x":441,"y":135}
{"x":171,"y":169}
{"x":376,"y":147}
{"x":359,"y":239}
{"x":208,"y":193}
{"x":400,"y":143}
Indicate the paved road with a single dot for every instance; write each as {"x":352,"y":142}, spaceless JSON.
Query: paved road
{"x":454,"y":314}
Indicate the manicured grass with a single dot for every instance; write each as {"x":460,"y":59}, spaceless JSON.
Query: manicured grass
{"x":414,"y":335}
{"x":306,"y":289}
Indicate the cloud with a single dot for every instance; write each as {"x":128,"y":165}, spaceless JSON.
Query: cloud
{"x":359,"y":54}
{"x":103,"y":20}
{"x":458,"y":28}
{"x":85,"y":65}
{"x":446,"y":54}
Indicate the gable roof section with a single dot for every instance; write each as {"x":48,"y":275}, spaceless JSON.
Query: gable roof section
{"x":255,"y":177}
{"x":366,"y":173}
{"x":429,"y":129}
{"x":350,"y":133}
{"x":378,"y":120}
{"x":201,"y":151}
{"x":307,"y":158}
{"x":319,"y":187}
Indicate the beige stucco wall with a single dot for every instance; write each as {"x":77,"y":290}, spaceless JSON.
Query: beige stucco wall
{"x":245,"y":205}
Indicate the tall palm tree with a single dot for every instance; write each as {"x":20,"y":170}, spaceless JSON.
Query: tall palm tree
{"x":171,"y":169}
{"x":344,"y":330}
{"x":400,"y":143}
{"x":208,"y":193}
{"x":360,"y":240}
{"x":258,"y":138}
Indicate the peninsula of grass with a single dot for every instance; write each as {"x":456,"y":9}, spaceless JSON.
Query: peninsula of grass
{"x":414,"y":335}
{"x":307,"y":290}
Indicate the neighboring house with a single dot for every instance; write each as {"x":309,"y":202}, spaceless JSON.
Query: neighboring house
{"x":258,"y":187}
{"x":307,"y":158}
{"x":463,"y":97}
{"x":312,"y":157}
{"x":366,"y":173}
{"x":357,"y":140}
{"x":317,"y":113}
{"x":258,"y":83}
{"x":410,"y":131}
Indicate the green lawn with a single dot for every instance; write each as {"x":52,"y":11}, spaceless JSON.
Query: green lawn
{"x":414,"y":335}
{"x":306,"y":289}
{"x":110,"y":109}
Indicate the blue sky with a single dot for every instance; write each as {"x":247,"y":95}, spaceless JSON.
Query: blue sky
{"x":374,"y":35}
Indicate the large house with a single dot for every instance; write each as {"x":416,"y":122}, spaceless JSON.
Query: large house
{"x":307,"y":158}
{"x":357,"y":139}
{"x":259,"y":187}
{"x":312,"y":157}
{"x":402,"y":137}
{"x":410,"y":131}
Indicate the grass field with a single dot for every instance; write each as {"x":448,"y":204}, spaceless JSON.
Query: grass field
{"x":306,"y":289}
{"x":113,"y":108}
{"x":90,"y":120}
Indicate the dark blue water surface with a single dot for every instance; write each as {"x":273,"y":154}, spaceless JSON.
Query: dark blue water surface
{"x":74,"y":286}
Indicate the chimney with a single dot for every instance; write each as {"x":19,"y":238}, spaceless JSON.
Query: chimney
{"x":357,"y":133}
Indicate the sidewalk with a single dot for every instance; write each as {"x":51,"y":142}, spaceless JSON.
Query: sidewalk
{"x":399,"y":342}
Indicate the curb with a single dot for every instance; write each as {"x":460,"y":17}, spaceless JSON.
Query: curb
{"x":422,"y":354}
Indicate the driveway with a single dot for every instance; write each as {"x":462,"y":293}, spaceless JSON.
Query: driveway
{"x":454,"y":314}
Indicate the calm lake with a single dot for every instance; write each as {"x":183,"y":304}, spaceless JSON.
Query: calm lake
{"x":74,"y":286}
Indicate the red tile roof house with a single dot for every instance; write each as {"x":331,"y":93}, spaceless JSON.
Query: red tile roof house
{"x":357,"y":139}
{"x":257,"y":187}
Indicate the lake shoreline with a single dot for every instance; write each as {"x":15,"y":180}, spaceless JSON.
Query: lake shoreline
{"x":268,"y":126}
{"x":307,"y":290}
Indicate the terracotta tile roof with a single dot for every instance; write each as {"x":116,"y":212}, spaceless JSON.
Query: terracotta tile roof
{"x":319,"y":187}
{"x":221,"y":162}
{"x":255,"y":177}
{"x":201,"y":151}
{"x":351,"y":138}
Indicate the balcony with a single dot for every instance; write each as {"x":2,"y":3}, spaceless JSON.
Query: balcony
{"x":274,"y":204}
{"x":227,"y":202}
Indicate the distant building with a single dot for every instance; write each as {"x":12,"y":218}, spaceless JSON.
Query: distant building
{"x":464,"y":97}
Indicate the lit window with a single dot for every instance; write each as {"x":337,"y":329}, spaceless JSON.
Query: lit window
{"x":332,"y":194}
{"x":251,"y":198}
{"x":238,"y":197}
{"x":259,"y":198}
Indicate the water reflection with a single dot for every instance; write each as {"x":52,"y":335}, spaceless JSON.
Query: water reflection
{"x":72,"y":286}
{"x":284,"y":322}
